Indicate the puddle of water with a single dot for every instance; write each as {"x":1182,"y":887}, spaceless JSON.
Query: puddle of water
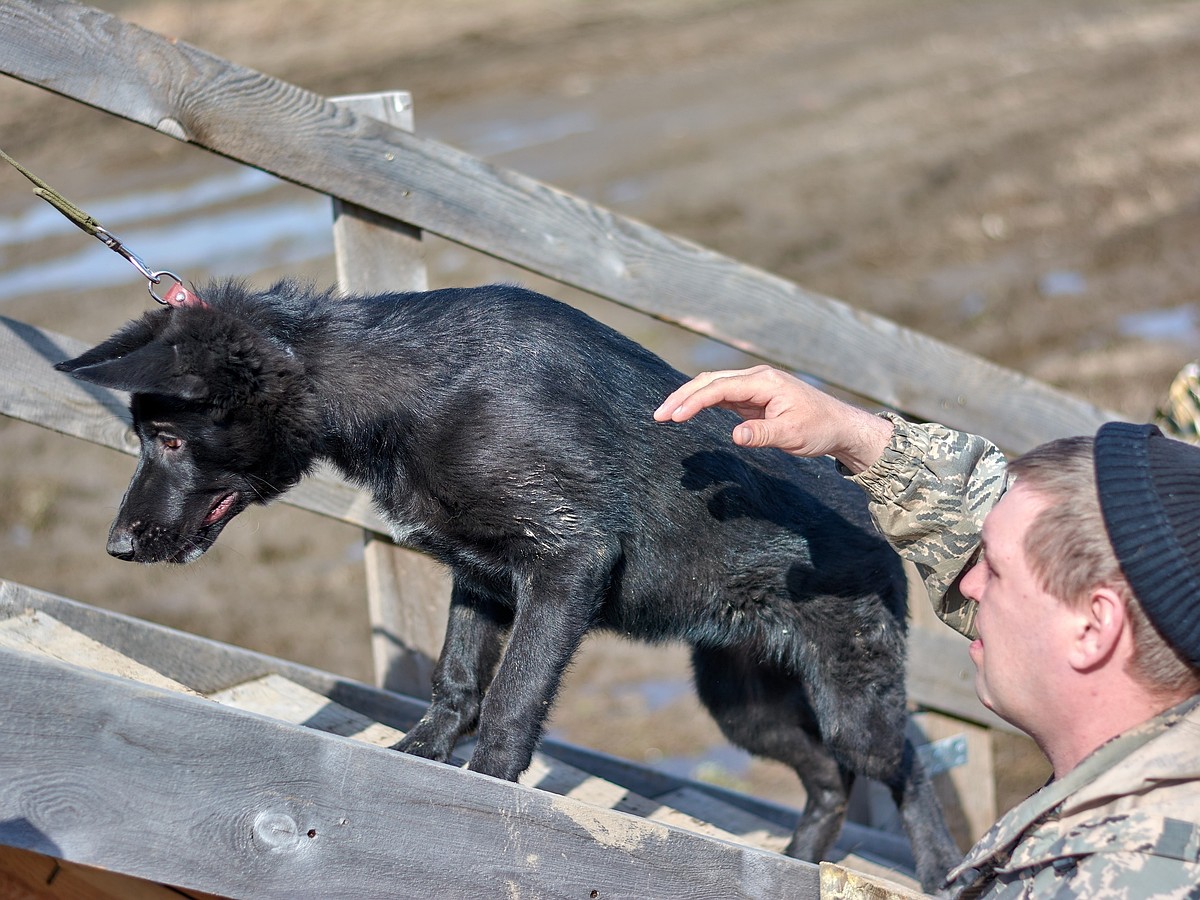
{"x":721,"y":764}
{"x":1179,"y":324}
{"x":662,"y":692}
{"x":1062,"y":283}
{"x":42,"y":220}
{"x":238,"y":242}
{"x":499,"y":136}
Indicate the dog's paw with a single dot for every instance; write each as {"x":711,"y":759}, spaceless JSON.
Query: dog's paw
{"x":504,"y":762}
{"x":427,"y":742}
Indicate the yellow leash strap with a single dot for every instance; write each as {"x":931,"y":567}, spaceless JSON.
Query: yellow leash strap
{"x":57,"y":200}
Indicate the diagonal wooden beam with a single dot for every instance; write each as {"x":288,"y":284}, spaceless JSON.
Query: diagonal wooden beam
{"x":194,"y":96}
{"x":180,"y":790}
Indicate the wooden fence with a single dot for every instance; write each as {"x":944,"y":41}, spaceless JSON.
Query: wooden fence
{"x":388,"y":185}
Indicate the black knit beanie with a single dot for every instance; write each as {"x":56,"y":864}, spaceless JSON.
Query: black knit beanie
{"x":1149,"y":487}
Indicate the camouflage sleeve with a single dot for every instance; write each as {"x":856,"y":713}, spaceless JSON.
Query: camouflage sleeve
{"x":1121,"y":876}
{"x":929,"y":494}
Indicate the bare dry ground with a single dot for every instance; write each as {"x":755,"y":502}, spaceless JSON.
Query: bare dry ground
{"x":1017,"y":178}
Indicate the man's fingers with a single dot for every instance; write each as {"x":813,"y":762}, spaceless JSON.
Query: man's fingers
{"x":705,"y":390}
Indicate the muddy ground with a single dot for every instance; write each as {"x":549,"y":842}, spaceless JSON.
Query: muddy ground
{"x":1017,"y":178}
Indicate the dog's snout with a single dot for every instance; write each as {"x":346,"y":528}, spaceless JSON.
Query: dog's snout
{"x":120,"y":544}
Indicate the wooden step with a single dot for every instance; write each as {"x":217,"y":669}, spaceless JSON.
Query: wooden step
{"x":275,"y":696}
{"x":279,"y":698}
{"x":38,"y":632}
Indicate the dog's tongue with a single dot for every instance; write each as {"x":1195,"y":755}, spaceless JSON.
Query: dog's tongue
{"x":219,"y":509}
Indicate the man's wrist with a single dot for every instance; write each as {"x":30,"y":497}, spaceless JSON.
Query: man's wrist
{"x":870,"y":436}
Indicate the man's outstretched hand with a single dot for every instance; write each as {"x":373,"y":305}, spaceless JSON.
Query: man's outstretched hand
{"x":780,"y":410}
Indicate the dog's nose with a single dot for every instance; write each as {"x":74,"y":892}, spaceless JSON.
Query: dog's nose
{"x":120,"y":544}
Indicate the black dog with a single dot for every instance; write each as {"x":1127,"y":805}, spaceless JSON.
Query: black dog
{"x":511,"y":437}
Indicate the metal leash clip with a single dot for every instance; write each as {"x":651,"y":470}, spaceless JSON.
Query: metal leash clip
{"x":179,"y":295}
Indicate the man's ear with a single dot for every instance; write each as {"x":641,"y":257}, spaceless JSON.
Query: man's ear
{"x":153,"y":368}
{"x":1100,"y":622}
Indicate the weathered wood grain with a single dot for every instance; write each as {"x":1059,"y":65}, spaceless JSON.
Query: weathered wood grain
{"x":177,"y":789}
{"x":276,"y":696}
{"x":38,"y":632}
{"x":194,"y":96}
{"x":209,"y":666}
{"x":273,"y":695}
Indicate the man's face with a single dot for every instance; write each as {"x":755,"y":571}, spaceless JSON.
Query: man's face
{"x":1019,"y":656}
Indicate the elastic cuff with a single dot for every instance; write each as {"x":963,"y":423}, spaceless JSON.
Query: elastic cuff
{"x":890,"y":475}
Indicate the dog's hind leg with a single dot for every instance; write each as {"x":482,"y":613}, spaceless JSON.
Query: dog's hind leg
{"x":475,"y":635}
{"x":765,"y":711}
{"x":861,"y":706}
{"x":934,"y":849}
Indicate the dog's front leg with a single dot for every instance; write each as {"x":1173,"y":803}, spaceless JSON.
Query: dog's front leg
{"x":474,"y":639}
{"x":552,"y":616}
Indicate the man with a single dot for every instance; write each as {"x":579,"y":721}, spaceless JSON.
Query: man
{"x":1076,"y":571}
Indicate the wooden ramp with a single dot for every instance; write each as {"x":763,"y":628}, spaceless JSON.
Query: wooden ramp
{"x":180,"y":761}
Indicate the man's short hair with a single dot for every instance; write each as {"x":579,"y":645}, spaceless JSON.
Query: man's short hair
{"x":1069,"y":552}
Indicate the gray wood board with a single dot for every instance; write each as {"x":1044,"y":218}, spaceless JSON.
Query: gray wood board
{"x":195,"y":96}
{"x":208,"y":666}
{"x":173,"y":788}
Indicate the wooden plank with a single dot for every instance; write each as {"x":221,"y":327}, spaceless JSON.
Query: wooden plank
{"x":25,"y":875}
{"x":840,"y":883}
{"x":30,"y":390}
{"x":175,"y":789}
{"x":202,"y":664}
{"x":197,"y":97}
{"x":279,"y":698}
{"x":968,"y":791}
{"x":276,"y":696}
{"x":38,"y":632}
{"x":408,"y":594}
{"x":209,"y":666}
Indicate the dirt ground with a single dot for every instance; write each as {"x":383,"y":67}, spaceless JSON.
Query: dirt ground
{"x":1017,"y":178}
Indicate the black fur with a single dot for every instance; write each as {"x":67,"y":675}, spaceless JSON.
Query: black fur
{"x":511,"y":437}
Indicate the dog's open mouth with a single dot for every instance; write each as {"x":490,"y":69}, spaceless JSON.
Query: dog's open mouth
{"x":220,"y":508}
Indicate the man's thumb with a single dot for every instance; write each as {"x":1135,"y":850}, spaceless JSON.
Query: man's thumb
{"x":755,"y":433}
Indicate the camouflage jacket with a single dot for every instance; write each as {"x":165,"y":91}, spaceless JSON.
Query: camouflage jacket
{"x":1121,"y":824}
{"x":1124,"y":822}
{"x":929,"y":493}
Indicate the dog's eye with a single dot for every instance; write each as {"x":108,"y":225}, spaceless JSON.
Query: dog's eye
{"x":170,"y":443}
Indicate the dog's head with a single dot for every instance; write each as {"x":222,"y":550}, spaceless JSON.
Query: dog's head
{"x":224,"y":419}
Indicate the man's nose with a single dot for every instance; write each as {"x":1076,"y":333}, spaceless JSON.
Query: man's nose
{"x":971,"y":583}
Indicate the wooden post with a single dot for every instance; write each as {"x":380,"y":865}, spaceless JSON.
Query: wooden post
{"x":407,"y":593}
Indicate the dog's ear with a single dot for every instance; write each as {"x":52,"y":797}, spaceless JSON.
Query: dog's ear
{"x":134,"y":335}
{"x":153,"y":368}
